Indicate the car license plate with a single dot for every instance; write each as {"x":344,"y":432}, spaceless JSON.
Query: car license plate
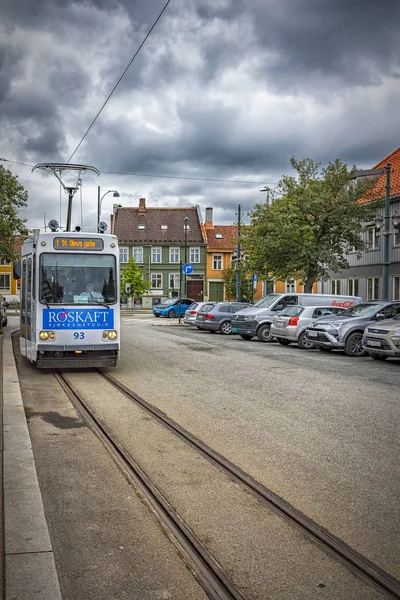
{"x":279,"y":324}
{"x":234,"y":329}
{"x":313,"y":334}
{"x":373,"y":343}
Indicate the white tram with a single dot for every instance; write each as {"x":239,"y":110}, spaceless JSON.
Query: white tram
{"x":70,"y":310}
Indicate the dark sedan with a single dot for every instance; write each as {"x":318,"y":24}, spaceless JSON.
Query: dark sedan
{"x":218,"y":316}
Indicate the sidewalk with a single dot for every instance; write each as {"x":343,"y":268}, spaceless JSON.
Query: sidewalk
{"x":29,"y":562}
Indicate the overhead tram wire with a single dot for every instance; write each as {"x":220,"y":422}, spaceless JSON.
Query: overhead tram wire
{"x":241,"y":181}
{"x":120,"y":79}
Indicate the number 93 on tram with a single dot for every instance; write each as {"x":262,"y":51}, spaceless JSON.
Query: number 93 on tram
{"x":70,"y":310}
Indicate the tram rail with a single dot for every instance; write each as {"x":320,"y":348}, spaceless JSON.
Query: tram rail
{"x":355,"y":562}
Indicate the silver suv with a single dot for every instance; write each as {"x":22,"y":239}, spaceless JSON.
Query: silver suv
{"x":346,"y":331}
{"x":290,"y":325}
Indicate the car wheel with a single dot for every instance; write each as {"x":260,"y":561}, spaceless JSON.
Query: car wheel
{"x":283,"y":341}
{"x":378,"y":356}
{"x":304,"y":343}
{"x":246,"y":337}
{"x":171,"y":313}
{"x":264,"y":333}
{"x":225,"y":328}
{"x":353,"y":346}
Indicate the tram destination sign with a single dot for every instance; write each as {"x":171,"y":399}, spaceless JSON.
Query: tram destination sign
{"x":70,"y":243}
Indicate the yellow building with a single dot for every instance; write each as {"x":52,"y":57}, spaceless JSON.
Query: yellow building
{"x":221,"y":243}
{"x":9,"y":286}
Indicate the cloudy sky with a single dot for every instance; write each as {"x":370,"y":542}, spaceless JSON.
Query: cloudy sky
{"x":222,"y":89}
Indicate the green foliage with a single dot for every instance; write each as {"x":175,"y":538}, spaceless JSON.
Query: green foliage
{"x":246,"y":282}
{"x":12,"y":198}
{"x":312,"y":223}
{"x":133,"y":274}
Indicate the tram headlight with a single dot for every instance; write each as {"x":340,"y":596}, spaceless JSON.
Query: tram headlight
{"x":45,"y":335}
{"x":111,"y":335}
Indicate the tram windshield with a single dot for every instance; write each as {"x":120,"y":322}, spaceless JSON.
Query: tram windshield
{"x":77,"y":279}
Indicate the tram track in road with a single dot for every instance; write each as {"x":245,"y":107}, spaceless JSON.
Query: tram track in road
{"x":355,"y":562}
{"x":215,"y":581}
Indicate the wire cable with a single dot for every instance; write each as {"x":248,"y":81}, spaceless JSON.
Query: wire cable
{"x":165,"y":176}
{"x":119,"y":80}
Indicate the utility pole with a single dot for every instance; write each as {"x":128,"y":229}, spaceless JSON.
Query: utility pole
{"x":238,"y":260}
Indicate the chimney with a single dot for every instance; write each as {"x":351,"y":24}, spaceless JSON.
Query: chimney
{"x":142,"y":206}
{"x":209,"y":219}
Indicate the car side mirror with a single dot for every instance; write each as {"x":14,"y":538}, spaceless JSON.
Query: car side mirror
{"x":380,"y":316}
{"x":279,"y":307}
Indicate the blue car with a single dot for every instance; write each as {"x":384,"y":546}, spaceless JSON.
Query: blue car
{"x":171,"y":307}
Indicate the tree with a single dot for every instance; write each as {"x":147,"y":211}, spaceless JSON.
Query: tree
{"x":132,"y":274}
{"x":314,"y":221}
{"x":12,"y":198}
{"x":246,"y":281}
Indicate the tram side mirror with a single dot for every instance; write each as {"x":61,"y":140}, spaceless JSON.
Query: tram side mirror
{"x":17,"y":269}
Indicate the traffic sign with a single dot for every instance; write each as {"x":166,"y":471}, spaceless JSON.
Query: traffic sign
{"x":187,"y":269}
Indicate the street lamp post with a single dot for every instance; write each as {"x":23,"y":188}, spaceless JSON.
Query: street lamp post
{"x":186,"y":225}
{"x":100,"y":200}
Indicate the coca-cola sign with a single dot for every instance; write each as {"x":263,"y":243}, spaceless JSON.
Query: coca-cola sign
{"x":344,"y":304}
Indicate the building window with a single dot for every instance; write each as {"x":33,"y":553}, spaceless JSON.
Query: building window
{"x":123,"y":255}
{"x":372,"y":288}
{"x":156,"y":281}
{"x":174,"y":255}
{"x":290,"y":286}
{"x":164,"y":227}
{"x":156,"y":255}
{"x":4,"y":262}
{"x":174,"y":281}
{"x":353,"y":287}
{"x":217,"y":262}
{"x":396,"y":288}
{"x":141,"y":226}
{"x":218,"y":236}
{"x":396,"y":236}
{"x":372,"y":243}
{"x":335,"y":286}
{"x":138,"y":255}
{"x":194,"y":255}
{"x":4,"y":282}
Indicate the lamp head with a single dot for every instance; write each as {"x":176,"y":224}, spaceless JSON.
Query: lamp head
{"x":396,"y":220}
{"x":378,"y":222}
{"x":115,"y":194}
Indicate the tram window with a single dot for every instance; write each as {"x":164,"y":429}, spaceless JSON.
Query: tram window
{"x":64,"y":278}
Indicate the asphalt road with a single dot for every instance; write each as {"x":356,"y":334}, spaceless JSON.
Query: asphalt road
{"x":319,"y":429}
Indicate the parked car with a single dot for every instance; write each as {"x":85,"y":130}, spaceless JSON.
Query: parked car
{"x":191,"y":312}
{"x":218,"y":316}
{"x":257,"y":319}
{"x":383,"y":340}
{"x":290,"y":325}
{"x":346,"y":331}
{"x":3,"y":312}
{"x":171,"y":307}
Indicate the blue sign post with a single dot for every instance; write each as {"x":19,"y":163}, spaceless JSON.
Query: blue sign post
{"x":187,"y":269}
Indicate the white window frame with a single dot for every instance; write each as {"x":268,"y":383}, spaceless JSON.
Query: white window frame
{"x":4,"y":263}
{"x":194,"y":254}
{"x":396,"y":287}
{"x":217,"y":259}
{"x":123,"y":255}
{"x":3,"y":286}
{"x":372,"y":288}
{"x":352,"y":284}
{"x":290,"y":286}
{"x":175,"y":278}
{"x":335,"y":287}
{"x":137,"y":250}
{"x":373,"y":243}
{"x":174,"y":253}
{"x":156,"y":281}
{"x":156,"y":253}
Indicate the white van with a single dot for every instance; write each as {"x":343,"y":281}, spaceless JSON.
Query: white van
{"x":256,"y":320}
